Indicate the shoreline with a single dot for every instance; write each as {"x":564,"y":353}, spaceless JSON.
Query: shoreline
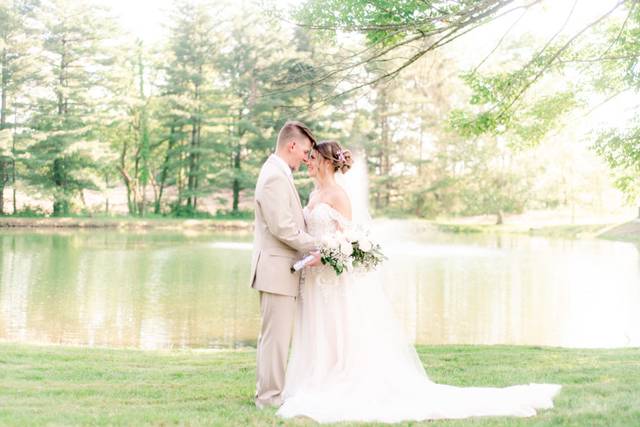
{"x":127,"y":223}
{"x":624,"y":232}
{"x":627,"y":231}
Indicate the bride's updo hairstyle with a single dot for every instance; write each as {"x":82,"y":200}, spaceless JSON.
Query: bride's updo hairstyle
{"x":340,"y":158}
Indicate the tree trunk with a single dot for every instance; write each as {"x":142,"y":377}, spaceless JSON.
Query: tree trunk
{"x":15,"y":204}
{"x":165,"y":170}
{"x":62,"y":102}
{"x":60,"y":203}
{"x":192,"y":165}
{"x":129,"y":185}
{"x":236,"y":181}
{"x":106,"y":201}
{"x":4,"y":178}
{"x":383,"y":198}
{"x":135,"y":184}
{"x":193,"y":157}
{"x":130,"y":204}
{"x":236,"y":167}
{"x":196,"y":178}
{"x":180,"y":173}
{"x":3,"y":96}
{"x":84,"y":203}
{"x":143,"y":150}
{"x":13,"y":160}
{"x":3,"y":124}
{"x":2,"y":192}
{"x":143,"y":200}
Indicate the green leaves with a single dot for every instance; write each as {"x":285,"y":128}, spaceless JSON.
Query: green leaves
{"x":384,"y":22}
{"x":528,"y":122}
{"x":621,"y":150}
{"x":470,"y":125}
{"x":334,"y":263}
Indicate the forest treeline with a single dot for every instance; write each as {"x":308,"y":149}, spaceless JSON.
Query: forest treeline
{"x":86,"y":106}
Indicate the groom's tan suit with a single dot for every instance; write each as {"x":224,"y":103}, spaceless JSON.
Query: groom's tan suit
{"x":280,"y":240}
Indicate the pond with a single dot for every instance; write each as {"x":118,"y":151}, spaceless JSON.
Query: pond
{"x":158,"y":290}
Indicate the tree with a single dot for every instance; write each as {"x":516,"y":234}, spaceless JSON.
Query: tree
{"x":617,"y":70}
{"x":259,"y":60}
{"x":607,"y":65}
{"x":65,"y":119}
{"x":130,"y":125}
{"x":188,"y":94}
{"x":621,"y":150}
{"x":17,"y":68}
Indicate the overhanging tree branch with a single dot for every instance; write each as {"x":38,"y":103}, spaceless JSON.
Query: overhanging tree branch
{"x":468,"y":20}
{"x":554,"y":57}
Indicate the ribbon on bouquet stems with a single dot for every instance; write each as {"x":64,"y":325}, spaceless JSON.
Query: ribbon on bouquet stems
{"x":299,"y":265}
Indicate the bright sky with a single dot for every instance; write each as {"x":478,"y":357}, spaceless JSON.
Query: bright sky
{"x":145,"y":18}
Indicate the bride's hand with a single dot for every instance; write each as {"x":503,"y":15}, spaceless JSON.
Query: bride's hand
{"x":316,"y":259}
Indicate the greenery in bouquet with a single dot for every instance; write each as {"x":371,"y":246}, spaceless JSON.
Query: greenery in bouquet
{"x":350,"y":250}
{"x":366,"y":254}
{"x":336,"y":252}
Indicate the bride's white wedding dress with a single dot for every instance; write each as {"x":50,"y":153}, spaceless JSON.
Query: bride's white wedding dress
{"x":351,"y":362}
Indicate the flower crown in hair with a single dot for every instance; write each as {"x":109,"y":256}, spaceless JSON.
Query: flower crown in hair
{"x":340,"y":155}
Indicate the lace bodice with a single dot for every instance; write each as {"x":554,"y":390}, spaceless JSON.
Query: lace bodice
{"x":323,"y":219}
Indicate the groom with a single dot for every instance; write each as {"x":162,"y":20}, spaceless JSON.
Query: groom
{"x":280,"y":240}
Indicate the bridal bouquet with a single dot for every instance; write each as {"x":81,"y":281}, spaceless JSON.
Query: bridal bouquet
{"x":366,"y":254}
{"x":349,"y":251}
{"x":336,"y":251}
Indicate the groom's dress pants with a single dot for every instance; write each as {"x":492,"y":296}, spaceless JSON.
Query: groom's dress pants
{"x":277,"y":312}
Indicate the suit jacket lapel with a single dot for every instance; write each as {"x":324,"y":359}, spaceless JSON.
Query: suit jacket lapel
{"x":295,"y":191}
{"x":289,"y":180}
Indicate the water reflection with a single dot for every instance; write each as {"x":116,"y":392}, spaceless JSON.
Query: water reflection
{"x":163,"y":290}
{"x":519,"y":290}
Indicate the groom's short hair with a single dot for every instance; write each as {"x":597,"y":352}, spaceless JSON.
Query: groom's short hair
{"x":292,"y":129}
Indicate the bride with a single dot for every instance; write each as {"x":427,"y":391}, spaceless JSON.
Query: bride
{"x":350,"y":360}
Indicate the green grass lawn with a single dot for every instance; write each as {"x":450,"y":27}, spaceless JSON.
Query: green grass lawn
{"x":84,"y":386}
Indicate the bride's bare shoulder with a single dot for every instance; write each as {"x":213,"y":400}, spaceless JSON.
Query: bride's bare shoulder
{"x":340,"y":202}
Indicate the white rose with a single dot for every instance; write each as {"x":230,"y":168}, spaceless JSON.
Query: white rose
{"x":346,"y":248}
{"x":330,"y":242}
{"x":353,"y":235}
{"x":365,"y":245}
